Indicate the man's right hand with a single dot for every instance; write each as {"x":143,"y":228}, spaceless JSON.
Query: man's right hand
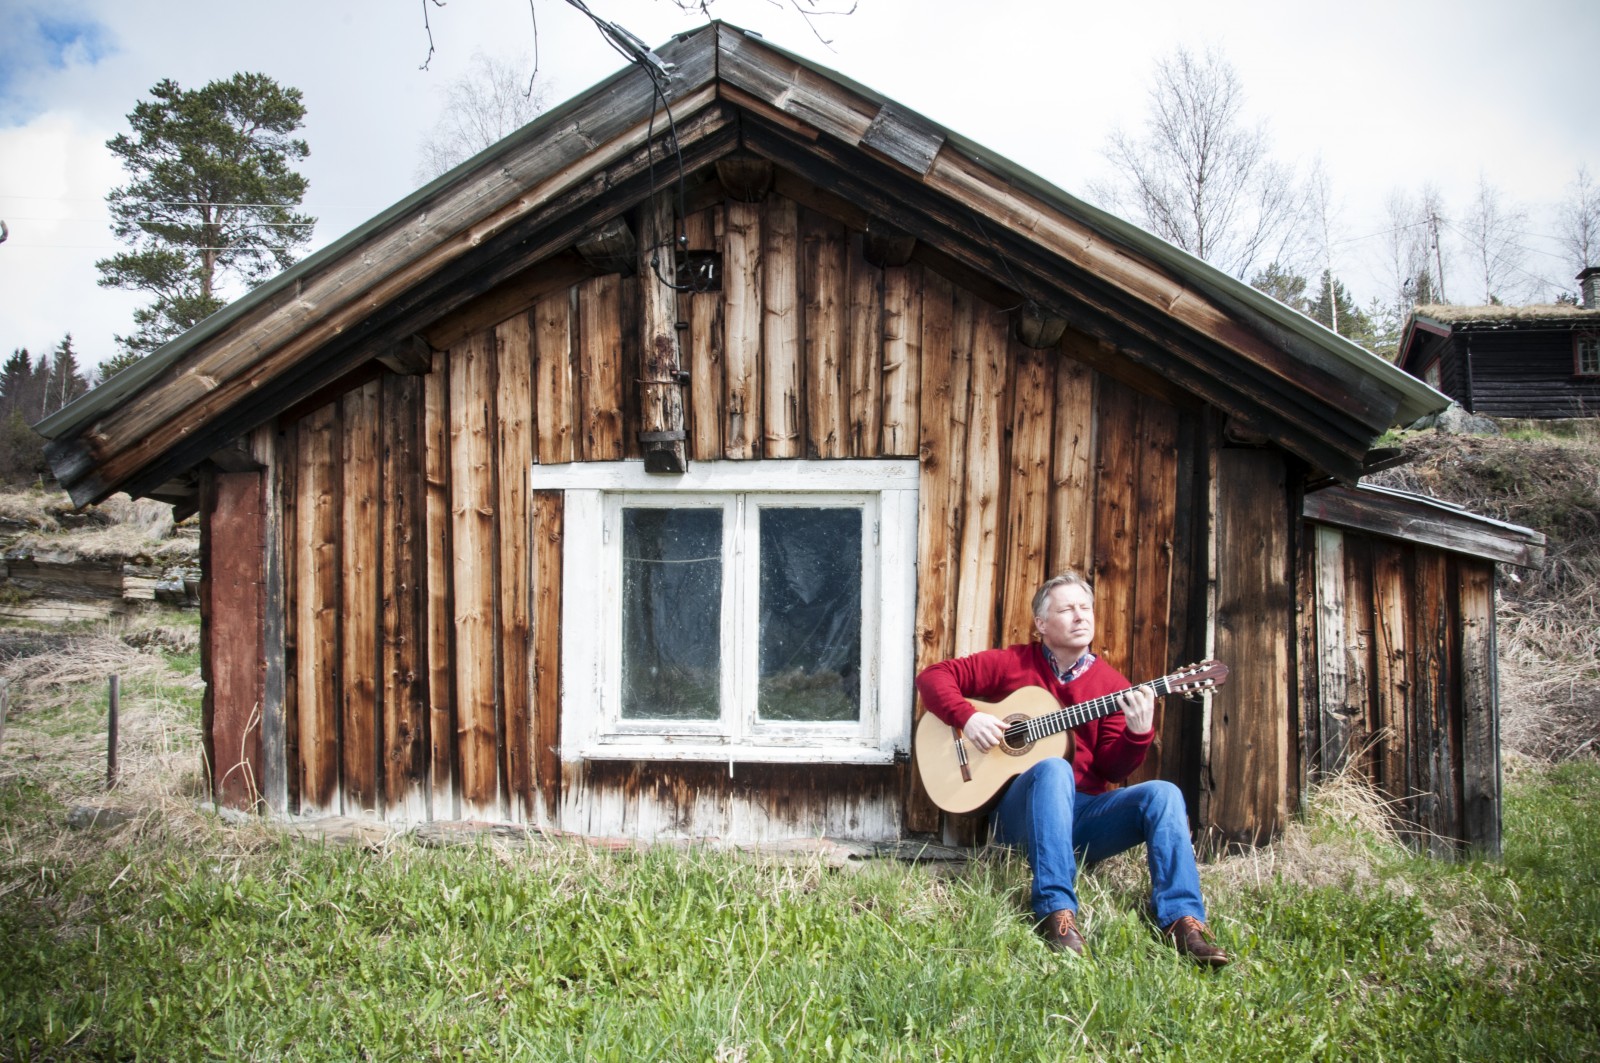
{"x":984,"y":731}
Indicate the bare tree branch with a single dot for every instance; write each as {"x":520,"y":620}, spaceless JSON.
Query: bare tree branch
{"x":1201,"y":177}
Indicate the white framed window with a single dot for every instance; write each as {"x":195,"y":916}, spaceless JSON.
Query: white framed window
{"x":743,"y":611}
{"x":1586,"y":353}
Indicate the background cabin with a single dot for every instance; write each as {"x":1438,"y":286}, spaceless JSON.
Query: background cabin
{"x":1511,"y":361}
{"x":570,"y":493}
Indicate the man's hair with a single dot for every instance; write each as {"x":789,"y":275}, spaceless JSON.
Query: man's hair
{"x":1068,"y":578}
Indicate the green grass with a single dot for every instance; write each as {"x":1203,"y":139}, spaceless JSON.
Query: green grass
{"x":209,"y":942}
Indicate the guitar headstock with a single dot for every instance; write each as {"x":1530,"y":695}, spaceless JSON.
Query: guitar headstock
{"x":1196,"y":678}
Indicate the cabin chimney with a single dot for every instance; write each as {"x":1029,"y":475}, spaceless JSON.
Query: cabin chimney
{"x":1589,"y":287}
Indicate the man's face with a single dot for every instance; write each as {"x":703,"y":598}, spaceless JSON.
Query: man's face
{"x":1067,"y":623}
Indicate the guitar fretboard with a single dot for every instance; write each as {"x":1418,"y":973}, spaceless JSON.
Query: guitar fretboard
{"x":1049,"y":723}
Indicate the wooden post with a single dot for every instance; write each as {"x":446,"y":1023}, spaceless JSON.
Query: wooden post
{"x":661,"y":395}
{"x":111,"y":731}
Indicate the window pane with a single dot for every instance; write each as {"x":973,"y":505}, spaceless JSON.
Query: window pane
{"x":810,"y":614}
{"x":671,"y":614}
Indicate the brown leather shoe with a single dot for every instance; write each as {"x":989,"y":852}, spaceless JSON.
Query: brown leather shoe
{"x":1190,"y":937}
{"x":1060,"y":932}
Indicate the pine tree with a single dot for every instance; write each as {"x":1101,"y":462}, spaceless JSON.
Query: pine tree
{"x":212,"y":197}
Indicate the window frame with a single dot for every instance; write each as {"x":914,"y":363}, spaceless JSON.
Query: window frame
{"x":594,"y":494}
{"x":1579,"y":340}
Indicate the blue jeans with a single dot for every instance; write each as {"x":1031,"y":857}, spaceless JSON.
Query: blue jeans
{"x":1056,"y":826}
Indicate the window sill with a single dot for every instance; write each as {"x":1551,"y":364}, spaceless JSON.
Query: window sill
{"x":742,"y":754}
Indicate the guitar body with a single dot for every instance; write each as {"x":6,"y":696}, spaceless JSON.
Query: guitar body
{"x":961,"y":779}
{"x":941,"y":769}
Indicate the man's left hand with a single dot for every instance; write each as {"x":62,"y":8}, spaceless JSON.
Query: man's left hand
{"x":1139,"y":708}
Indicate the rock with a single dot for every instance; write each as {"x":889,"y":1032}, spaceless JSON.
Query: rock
{"x":83,"y":817}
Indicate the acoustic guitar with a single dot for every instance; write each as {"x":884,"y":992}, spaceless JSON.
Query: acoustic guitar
{"x":959,"y":778}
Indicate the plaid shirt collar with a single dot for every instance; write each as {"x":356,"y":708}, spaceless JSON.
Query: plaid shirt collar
{"x":1068,"y":675}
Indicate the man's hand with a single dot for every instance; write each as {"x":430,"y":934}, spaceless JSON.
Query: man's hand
{"x":984,"y":731}
{"x":1139,"y":708}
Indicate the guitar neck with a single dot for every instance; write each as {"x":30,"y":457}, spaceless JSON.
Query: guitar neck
{"x":1065,"y":719}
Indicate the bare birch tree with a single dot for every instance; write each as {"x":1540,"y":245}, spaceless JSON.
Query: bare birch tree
{"x":1492,"y":229}
{"x":1202,"y":177}
{"x":492,"y":100}
{"x":1578,"y":222}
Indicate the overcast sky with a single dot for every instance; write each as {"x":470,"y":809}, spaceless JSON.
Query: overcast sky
{"x":1389,"y":93}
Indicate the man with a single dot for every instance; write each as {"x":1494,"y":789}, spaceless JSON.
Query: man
{"x":1061,"y":811}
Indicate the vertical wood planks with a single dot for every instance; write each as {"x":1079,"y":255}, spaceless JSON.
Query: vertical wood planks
{"x":316,"y":589}
{"x":1156,"y":495}
{"x":1392,"y":668}
{"x":600,"y":359}
{"x":1359,"y":647}
{"x":1072,"y":505}
{"x":404,"y":581}
{"x":825,"y":331}
{"x":1480,"y":710}
{"x":265,"y":445}
{"x":233,"y":531}
{"x":1333,"y":725}
{"x":1116,"y":501}
{"x":1434,"y":753}
{"x":864,"y":352}
{"x":901,"y":424}
{"x":706,"y":337}
{"x":780,"y":330}
{"x":1251,"y":715}
{"x":556,"y":378}
{"x":513,"y":403}
{"x":946,"y":366}
{"x":472,"y":531}
{"x":742,"y":285}
{"x":545,"y":574}
{"x":443,"y":755}
{"x":984,"y":496}
{"x":1028,"y":502}
{"x":359,"y":563}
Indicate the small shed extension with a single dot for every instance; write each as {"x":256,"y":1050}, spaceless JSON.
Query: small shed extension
{"x":573,"y":492}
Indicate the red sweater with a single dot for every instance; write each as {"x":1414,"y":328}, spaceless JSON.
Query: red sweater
{"x":1103,"y":752}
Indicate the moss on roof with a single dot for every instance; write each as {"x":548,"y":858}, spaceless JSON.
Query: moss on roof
{"x":1447,"y":313}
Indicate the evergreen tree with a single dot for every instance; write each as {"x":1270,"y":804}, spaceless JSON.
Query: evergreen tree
{"x":211,"y":198}
{"x":1287,"y":287}
{"x":21,"y":391}
{"x":110,"y":367}
{"x":1333,"y":307}
{"x":18,"y":390}
{"x":63,"y":381}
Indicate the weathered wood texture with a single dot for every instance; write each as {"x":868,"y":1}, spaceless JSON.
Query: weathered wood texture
{"x":408,"y":498}
{"x":424,"y":578}
{"x":1405,"y":685}
{"x":1247,"y":794}
{"x":232,"y":603}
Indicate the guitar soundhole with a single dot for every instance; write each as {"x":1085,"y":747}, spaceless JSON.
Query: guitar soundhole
{"x":1007,"y":744}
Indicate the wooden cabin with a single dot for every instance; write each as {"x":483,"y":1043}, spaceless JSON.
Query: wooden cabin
{"x":620,"y":480}
{"x":1510,"y":361}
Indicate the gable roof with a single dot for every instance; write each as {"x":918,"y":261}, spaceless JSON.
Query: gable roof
{"x":517,"y":208}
